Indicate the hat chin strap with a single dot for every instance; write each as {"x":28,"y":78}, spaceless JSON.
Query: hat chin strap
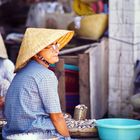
{"x":42,"y":59}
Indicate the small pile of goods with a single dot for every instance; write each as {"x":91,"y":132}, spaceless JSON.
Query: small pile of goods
{"x":79,"y":126}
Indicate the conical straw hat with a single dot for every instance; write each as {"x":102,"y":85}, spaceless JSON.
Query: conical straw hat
{"x":3,"y":52}
{"x":36,"y":39}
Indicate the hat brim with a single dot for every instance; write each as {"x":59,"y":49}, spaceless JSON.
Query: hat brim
{"x":63,"y":40}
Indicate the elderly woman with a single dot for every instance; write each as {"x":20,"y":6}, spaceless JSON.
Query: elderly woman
{"x":32,"y":101}
{"x":6,"y":73}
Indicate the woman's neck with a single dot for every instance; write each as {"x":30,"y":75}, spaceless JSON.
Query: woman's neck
{"x":41,"y":60}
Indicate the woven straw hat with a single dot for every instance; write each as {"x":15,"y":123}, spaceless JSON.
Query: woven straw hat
{"x":3,"y":52}
{"x":36,"y":39}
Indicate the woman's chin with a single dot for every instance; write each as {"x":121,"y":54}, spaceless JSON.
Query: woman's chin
{"x":56,"y":60}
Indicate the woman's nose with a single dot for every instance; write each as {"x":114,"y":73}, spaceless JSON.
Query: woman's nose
{"x":57,"y":50}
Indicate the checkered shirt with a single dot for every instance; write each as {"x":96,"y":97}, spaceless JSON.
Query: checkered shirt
{"x":31,"y":96}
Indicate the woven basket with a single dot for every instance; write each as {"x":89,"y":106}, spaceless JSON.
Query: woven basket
{"x":83,"y":132}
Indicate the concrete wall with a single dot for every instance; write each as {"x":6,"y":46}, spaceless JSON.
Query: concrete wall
{"x":124,"y":50}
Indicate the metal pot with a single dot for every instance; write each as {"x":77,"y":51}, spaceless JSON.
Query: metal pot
{"x":80,"y":112}
{"x":32,"y":136}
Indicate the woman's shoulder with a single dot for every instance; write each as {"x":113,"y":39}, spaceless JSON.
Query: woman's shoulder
{"x":8,"y":61}
{"x":48,"y":73}
{"x":39,"y":70}
{"x":9,"y":65}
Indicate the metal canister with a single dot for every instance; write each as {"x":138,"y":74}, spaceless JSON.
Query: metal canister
{"x":80,"y":112}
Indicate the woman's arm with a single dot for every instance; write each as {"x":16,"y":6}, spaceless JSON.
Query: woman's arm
{"x":49,"y":95}
{"x":60,"y":124}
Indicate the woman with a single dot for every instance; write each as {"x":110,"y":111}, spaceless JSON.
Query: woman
{"x":32,"y":101}
{"x":6,"y":73}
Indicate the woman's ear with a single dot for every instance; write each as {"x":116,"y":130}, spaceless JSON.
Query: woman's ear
{"x":35,"y":56}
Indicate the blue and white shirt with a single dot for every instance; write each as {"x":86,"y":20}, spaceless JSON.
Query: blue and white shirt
{"x":6,"y":75}
{"x":32,"y":95}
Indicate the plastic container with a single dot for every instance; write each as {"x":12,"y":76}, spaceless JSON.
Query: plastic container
{"x":31,"y":136}
{"x":118,"y":129}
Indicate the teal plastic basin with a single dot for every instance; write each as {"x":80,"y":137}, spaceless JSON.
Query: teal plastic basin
{"x":118,"y":129}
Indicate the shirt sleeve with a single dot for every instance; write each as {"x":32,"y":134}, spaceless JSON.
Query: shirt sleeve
{"x":8,"y":69}
{"x":48,"y":90}
{"x":4,"y":85}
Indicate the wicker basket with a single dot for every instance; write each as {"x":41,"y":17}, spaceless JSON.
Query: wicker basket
{"x":84,"y":132}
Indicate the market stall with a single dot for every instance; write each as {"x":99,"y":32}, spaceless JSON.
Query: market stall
{"x":85,"y":54}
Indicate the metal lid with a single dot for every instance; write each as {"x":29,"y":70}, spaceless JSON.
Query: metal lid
{"x":31,"y":136}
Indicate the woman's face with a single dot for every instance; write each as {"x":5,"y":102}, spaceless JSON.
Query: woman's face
{"x":50,"y":53}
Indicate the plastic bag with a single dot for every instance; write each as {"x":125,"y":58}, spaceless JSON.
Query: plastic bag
{"x":137,"y":77}
{"x":38,"y":13}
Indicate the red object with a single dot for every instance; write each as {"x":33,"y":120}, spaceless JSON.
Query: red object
{"x":72,"y":89}
{"x":1,"y":102}
{"x":98,"y":7}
